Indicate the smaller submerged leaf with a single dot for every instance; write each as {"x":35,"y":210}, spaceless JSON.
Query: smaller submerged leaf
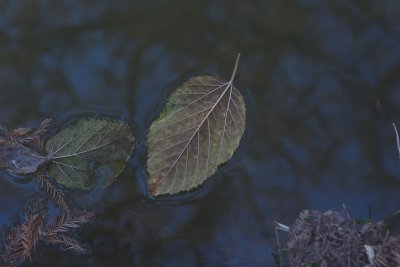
{"x":18,"y":158}
{"x":90,"y":151}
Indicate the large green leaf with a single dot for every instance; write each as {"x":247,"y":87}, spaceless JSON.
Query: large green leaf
{"x":91,"y":151}
{"x":200,"y":128}
{"x":18,"y":158}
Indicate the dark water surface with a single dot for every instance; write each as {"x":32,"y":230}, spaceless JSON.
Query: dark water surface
{"x":324,"y":76}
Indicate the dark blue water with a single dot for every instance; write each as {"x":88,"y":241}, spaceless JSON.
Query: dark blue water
{"x":325,"y":79}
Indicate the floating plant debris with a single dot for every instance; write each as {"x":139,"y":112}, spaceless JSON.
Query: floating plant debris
{"x":18,"y":158}
{"x":87,"y":152}
{"x":200,"y":128}
{"x":22,"y":239}
{"x":333,"y":238}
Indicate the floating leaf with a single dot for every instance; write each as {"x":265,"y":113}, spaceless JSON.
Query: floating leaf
{"x":18,"y":158}
{"x":90,"y":151}
{"x":200,"y":128}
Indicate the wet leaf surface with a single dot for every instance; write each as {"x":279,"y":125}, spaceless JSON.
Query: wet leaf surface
{"x":200,"y":128}
{"x":18,"y":158}
{"x":89,"y":152}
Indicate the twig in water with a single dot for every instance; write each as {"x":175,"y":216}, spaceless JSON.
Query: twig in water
{"x":282,"y":227}
{"x":397,"y":138}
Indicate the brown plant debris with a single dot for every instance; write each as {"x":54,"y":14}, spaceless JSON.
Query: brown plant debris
{"x":54,"y":192}
{"x":67,"y":242}
{"x":332,"y":238}
{"x":27,"y":135}
{"x":64,"y":223}
{"x":22,"y":239}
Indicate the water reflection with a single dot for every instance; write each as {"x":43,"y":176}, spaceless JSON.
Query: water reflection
{"x":316,"y":70}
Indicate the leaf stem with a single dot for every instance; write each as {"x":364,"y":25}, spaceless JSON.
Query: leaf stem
{"x":235,"y":68}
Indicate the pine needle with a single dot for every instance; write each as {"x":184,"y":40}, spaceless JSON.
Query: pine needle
{"x":44,"y":126}
{"x":55,"y":193}
{"x":32,"y":138}
{"x":25,"y":236}
{"x":67,"y":242}
{"x":65,"y":223}
{"x":22,"y":239}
